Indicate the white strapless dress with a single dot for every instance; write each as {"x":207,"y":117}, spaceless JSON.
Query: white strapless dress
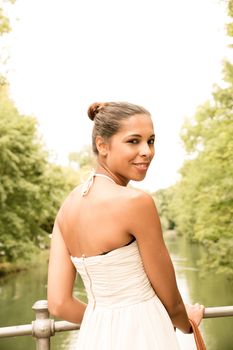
{"x":123,"y":311}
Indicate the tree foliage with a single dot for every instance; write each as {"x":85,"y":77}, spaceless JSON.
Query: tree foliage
{"x":83,"y":160}
{"x":4,"y":29}
{"x":229,"y":25}
{"x":162,"y":199}
{"x":202,"y":202}
{"x":31,"y":188}
{"x":4,"y":20}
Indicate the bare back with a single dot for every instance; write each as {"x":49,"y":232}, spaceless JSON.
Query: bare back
{"x":97,"y":222}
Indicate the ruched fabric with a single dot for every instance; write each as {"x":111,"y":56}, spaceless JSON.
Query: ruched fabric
{"x":123,"y":311}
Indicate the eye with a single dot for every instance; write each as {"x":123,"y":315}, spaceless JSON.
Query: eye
{"x":133,"y":141}
{"x":151,"y":141}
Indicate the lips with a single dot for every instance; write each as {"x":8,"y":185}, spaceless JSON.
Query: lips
{"x":142,"y":166}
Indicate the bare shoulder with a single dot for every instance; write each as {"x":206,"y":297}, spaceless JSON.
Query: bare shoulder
{"x":68,"y":204}
{"x":143,"y":218}
{"x":137,"y":203}
{"x":139,"y":199}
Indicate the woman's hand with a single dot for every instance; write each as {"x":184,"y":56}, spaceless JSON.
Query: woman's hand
{"x":195,"y":312}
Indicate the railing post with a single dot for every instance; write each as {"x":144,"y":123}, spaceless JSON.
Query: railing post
{"x":43,"y":326}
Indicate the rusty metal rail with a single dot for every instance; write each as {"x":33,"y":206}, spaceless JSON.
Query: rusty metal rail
{"x":43,"y":328}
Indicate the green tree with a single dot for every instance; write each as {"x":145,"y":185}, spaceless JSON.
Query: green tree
{"x":4,"y":20}
{"x":31,"y":188}
{"x":83,"y":160}
{"x":22,"y":160}
{"x":202,"y":204}
{"x":162,"y":198}
{"x":55,"y":184}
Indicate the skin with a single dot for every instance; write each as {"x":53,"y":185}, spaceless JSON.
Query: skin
{"x":84,"y":226}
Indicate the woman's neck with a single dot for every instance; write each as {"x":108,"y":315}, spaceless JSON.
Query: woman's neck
{"x":103,"y":169}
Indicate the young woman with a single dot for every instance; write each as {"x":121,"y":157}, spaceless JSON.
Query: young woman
{"x":111,"y":235}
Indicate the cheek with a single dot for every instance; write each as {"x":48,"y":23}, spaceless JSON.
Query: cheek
{"x":152,"y":154}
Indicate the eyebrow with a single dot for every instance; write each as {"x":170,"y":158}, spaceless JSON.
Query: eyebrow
{"x":138,"y":135}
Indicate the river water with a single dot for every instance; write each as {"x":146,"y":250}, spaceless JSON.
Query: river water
{"x":19,"y":292}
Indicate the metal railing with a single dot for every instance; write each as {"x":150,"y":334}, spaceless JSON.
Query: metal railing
{"x":44,"y":327}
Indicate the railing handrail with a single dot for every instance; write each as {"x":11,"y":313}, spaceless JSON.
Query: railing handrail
{"x":27,"y":329}
{"x":44,"y":327}
{"x":218,"y":311}
{"x":60,"y":326}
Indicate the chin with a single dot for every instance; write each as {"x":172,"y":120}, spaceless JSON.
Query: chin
{"x":138,"y":178}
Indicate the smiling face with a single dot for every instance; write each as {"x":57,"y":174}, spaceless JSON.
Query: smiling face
{"x":130,"y":151}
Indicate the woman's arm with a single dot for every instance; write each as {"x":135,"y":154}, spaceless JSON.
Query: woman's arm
{"x":61,"y":278}
{"x":145,"y":225}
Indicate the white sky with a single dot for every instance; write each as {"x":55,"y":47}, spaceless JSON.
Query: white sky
{"x":162,"y":54}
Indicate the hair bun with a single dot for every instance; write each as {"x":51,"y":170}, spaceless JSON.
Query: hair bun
{"x":94,"y":109}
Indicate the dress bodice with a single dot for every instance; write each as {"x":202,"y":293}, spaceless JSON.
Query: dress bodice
{"x":115,"y":279}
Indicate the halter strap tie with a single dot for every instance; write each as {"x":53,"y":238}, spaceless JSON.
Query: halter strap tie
{"x":87,"y":185}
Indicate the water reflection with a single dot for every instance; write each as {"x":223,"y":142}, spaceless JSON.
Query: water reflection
{"x":18,"y":293}
{"x":210,"y":290}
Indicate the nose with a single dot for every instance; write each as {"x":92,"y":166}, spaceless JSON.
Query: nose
{"x":146,"y":150}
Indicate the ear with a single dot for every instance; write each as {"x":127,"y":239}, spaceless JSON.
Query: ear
{"x":101,"y":145}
